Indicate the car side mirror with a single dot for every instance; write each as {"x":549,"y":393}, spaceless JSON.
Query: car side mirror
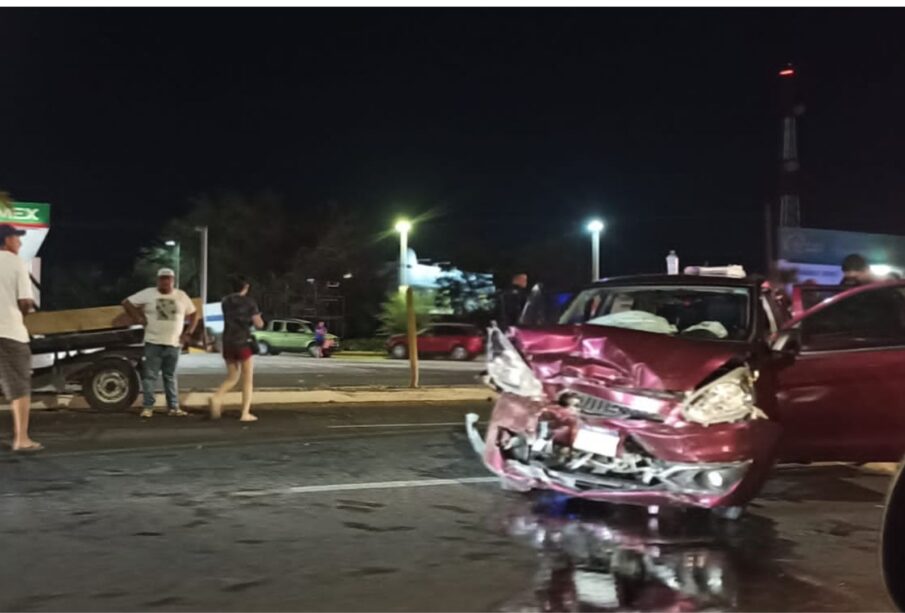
{"x":787,"y":342}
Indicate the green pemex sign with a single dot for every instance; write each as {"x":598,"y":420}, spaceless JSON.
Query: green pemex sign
{"x":34,"y":214}
{"x":34,"y":218}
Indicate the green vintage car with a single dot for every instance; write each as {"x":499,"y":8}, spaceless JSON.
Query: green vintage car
{"x":292,"y":335}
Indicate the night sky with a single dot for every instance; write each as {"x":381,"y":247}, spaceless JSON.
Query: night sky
{"x":505,"y":125}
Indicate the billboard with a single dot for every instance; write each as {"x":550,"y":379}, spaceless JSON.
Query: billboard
{"x":829,"y":247}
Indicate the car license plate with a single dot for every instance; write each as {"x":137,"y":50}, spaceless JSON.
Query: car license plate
{"x":597,"y":440}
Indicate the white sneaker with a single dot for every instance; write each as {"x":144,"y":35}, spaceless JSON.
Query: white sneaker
{"x":147,"y":413}
{"x":176,"y":412}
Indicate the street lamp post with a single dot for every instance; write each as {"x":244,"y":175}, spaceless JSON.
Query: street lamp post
{"x":403,"y":226}
{"x":177,"y":248}
{"x":595,"y":227}
{"x":203,"y":273}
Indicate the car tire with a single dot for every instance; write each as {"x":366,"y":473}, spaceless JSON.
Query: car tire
{"x":112,"y":386}
{"x":313,"y":350}
{"x":399,"y":352}
{"x":459,"y":353}
{"x":264,"y":348}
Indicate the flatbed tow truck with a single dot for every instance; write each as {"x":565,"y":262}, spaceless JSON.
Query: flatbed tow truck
{"x":102,"y":364}
{"x":96,"y":351}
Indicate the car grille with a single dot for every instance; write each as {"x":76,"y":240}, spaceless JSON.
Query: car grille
{"x":600,"y":407}
{"x":591,"y":405}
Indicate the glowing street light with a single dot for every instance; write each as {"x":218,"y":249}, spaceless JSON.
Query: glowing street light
{"x":403,"y":227}
{"x":176,"y":247}
{"x":595,"y":227}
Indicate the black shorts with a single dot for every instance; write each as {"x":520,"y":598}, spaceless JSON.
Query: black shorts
{"x":15,"y":369}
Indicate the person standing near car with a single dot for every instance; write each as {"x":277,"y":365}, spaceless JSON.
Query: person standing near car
{"x":162,"y":310}
{"x":320,"y":339}
{"x":512,"y":301}
{"x":240,"y":313}
{"x":16,"y":301}
{"x":855,"y":271}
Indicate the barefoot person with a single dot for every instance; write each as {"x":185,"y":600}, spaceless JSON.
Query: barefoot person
{"x":16,"y":301}
{"x":240,"y":313}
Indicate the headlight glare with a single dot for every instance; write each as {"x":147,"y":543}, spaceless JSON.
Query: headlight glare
{"x":730,"y":398}
{"x":511,"y":374}
{"x":507,"y":370}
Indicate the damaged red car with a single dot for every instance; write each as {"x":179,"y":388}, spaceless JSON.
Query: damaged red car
{"x":685,"y":390}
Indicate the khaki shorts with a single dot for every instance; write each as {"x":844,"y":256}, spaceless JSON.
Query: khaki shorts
{"x":15,"y":369}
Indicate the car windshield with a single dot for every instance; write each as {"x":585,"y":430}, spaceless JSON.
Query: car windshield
{"x":707,"y":312}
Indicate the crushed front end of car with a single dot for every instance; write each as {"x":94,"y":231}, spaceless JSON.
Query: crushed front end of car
{"x":624,"y":416}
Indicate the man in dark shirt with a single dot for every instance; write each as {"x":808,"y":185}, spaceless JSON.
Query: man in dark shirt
{"x":855,"y":271}
{"x":512,"y":301}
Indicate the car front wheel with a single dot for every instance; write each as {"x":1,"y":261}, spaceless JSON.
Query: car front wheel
{"x":459,"y":353}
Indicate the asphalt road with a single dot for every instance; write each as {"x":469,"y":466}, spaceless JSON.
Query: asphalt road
{"x":373,"y":508}
{"x":206,"y":371}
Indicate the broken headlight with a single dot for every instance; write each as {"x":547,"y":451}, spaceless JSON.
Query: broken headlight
{"x":507,"y":370}
{"x":727,"y":399}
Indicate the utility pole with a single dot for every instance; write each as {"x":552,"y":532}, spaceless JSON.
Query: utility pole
{"x":203,"y":273}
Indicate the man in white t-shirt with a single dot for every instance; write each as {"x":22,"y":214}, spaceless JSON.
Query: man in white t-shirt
{"x":16,"y":300}
{"x":162,"y":310}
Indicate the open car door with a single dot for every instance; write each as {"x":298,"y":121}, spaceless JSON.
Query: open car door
{"x":806,"y":296}
{"x":843,"y":398}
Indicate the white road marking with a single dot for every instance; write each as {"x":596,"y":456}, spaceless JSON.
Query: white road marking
{"x":379,"y":485}
{"x":445,"y":423}
{"x":209,"y":364}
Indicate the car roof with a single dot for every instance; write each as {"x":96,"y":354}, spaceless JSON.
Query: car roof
{"x":661,"y":279}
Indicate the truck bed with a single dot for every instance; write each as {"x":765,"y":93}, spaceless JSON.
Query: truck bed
{"x":74,"y":341}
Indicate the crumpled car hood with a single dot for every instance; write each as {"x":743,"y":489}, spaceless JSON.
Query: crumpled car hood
{"x":621,"y":357}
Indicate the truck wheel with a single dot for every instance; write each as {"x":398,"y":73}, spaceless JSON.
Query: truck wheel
{"x":112,"y":386}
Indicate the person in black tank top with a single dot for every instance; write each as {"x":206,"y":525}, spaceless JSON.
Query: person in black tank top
{"x":240,"y":313}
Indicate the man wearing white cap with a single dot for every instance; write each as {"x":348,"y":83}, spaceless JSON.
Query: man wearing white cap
{"x":162,"y":310}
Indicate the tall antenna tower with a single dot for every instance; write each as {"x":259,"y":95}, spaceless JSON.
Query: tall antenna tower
{"x":789,"y":204}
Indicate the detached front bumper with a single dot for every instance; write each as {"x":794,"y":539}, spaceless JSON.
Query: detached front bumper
{"x":652,"y":464}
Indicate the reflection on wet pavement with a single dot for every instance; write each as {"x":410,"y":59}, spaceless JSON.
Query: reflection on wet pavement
{"x":597,"y":557}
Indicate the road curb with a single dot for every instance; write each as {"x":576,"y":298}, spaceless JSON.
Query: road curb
{"x":291,"y":397}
